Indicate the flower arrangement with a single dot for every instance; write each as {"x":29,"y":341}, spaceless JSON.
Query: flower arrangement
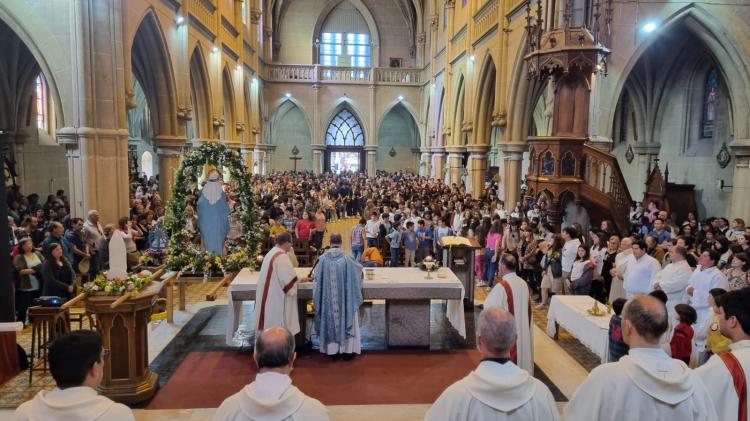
{"x":132,"y":285}
{"x":186,"y":257}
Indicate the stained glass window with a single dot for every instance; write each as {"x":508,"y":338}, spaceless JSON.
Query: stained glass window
{"x":710,"y":97}
{"x":345,"y":130}
{"x":41,"y":103}
{"x":343,"y":49}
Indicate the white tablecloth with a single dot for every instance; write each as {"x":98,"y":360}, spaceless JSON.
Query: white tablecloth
{"x":570,"y":312}
{"x":247,"y":280}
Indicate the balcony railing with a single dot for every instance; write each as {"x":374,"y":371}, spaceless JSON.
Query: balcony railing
{"x":316,"y":73}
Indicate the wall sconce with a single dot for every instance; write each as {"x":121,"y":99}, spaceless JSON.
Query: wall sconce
{"x":392,"y":152}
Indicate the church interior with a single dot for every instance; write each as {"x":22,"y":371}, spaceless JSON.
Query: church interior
{"x":573,"y":113}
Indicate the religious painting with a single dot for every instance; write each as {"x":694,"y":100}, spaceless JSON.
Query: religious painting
{"x":710,"y":97}
{"x":568,"y":164}
{"x":395,"y":62}
{"x":548,"y":163}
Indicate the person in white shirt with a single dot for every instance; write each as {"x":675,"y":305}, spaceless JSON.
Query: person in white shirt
{"x":271,"y":396}
{"x":569,"y":250}
{"x":616,"y":290}
{"x":640,"y":270}
{"x":646,"y":384}
{"x":721,"y":370}
{"x":512,"y":294}
{"x":76,"y":362}
{"x":673,"y":279}
{"x":705,"y":278}
{"x":497,"y":389}
{"x":372,"y":229}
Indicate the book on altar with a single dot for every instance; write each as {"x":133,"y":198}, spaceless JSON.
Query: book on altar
{"x":453,"y":240}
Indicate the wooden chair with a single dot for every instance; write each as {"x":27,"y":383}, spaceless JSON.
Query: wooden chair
{"x":48,"y":323}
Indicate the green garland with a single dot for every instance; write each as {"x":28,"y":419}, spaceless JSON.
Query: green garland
{"x":186,"y":257}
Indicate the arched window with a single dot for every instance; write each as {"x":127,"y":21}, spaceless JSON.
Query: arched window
{"x":147,"y":164}
{"x":710,"y":97}
{"x":345,"y":38}
{"x":345,"y":130}
{"x":42,"y":114}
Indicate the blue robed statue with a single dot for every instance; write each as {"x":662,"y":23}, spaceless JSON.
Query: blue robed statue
{"x":213,"y":215}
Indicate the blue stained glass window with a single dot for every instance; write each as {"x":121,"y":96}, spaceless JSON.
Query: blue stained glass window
{"x":345,"y":130}
{"x":357,"y":48}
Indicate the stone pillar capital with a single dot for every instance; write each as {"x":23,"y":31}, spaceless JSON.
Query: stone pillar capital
{"x":371,"y":148}
{"x":512,"y":151}
{"x":477,"y":150}
{"x":318,"y":148}
{"x":740,"y":147}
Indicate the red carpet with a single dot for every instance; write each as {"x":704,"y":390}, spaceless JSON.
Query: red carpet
{"x":205,"y":379}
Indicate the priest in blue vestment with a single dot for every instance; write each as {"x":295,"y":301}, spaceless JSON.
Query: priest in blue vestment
{"x":337,"y":294}
{"x":213,"y":215}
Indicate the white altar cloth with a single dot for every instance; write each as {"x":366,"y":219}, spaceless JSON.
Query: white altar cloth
{"x":570,"y":312}
{"x":384,"y":277}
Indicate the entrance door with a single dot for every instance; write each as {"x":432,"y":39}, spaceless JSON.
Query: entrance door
{"x":338,"y":160}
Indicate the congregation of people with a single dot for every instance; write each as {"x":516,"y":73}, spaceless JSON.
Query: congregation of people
{"x":679,"y":338}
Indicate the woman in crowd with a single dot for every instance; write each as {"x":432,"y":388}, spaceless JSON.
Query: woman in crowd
{"x":58,"y":277}
{"x":552,"y":276}
{"x":28,"y":265}
{"x":493,"y":241}
{"x":304,"y":226}
{"x":581,"y":274}
{"x":737,"y":272}
{"x":528,"y":264}
{"x":598,"y":251}
{"x":608,"y":263}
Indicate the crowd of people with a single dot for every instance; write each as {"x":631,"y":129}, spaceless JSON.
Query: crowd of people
{"x":679,"y":289}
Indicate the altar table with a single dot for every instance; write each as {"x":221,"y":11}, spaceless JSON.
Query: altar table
{"x":406,"y":291}
{"x":570,"y":312}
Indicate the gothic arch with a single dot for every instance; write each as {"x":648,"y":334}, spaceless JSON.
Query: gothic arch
{"x":704,"y":26}
{"x":485,"y":102}
{"x":200,"y":92}
{"x":458,"y":112}
{"x":230,"y":116}
{"x":349,"y":104}
{"x":281,"y":107}
{"x":26,"y":42}
{"x":152,"y":67}
{"x":366,"y":14}
{"x":407,"y":106}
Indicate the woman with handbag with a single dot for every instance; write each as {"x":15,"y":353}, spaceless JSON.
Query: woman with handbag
{"x":28,"y":264}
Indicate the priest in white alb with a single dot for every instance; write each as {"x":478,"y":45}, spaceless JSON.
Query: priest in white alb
{"x":725,"y":375}
{"x":640,"y":270}
{"x":646,"y":384}
{"x":621,"y":264}
{"x":673,"y":279}
{"x":272,"y":396}
{"x":512,"y":294}
{"x":705,"y":278}
{"x":276,"y":295}
{"x":497,"y":389}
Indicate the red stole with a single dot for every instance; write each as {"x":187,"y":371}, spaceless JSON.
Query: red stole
{"x":740,"y":384}
{"x":512,"y":310}
{"x":262,"y":317}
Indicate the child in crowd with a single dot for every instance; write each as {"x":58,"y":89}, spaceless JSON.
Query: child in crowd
{"x":276,"y":227}
{"x":394,"y":240}
{"x":715,"y":341}
{"x":410,"y":244}
{"x":581,"y":273}
{"x":682,"y":339}
{"x":617,"y":347}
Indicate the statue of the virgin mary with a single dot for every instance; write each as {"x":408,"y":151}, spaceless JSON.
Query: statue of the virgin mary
{"x":213,"y":215}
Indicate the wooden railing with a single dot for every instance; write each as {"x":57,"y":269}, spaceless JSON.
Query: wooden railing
{"x":314,"y":73}
{"x":605,"y":184}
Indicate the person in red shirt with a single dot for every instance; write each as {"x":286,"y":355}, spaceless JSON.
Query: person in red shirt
{"x":304,"y":226}
{"x":683,"y":334}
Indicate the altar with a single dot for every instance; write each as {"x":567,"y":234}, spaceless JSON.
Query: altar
{"x":571,"y":312}
{"x":406,"y":291}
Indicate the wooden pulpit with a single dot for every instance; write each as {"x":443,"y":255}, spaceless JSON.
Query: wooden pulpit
{"x":460,"y":252}
{"x":124,"y":330}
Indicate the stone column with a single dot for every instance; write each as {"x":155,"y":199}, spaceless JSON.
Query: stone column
{"x":247,"y":159}
{"x":372,"y":159}
{"x":644,"y":156}
{"x":478,"y":168}
{"x":437,"y":163}
{"x":424,"y":162}
{"x":512,"y":154}
{"x":258,"y":160}
{"x":168,"y":151}
{"x":740,"y":198}
{"x":455,"y":156}
{"x":600,"y":142}
{"x":318,"y":158}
